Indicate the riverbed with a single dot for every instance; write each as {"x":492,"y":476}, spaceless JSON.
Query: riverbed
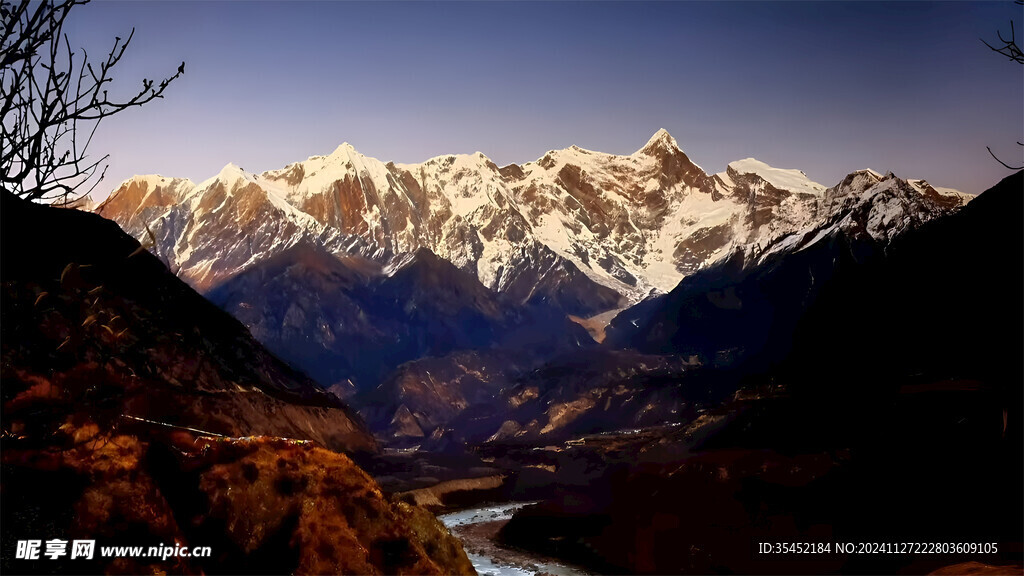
{"x":477,"y":527}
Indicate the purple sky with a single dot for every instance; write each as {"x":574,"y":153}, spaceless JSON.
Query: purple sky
{"x":824,"y":87}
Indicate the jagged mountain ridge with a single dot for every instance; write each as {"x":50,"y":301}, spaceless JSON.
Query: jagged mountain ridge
{"x":584,"y":230}
{"x":747,"y":306}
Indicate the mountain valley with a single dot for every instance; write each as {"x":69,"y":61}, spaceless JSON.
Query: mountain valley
{"x":588,"y":331}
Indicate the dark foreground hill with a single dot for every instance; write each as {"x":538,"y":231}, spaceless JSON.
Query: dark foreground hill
{"x":83,"y":305}
{"x":136,"y":413}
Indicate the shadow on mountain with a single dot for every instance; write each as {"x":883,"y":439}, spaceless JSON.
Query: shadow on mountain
{"x":350,"y":324}
{"x":875,"y":396}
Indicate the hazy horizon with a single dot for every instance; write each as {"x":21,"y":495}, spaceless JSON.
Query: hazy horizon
{"x":826,"y":88}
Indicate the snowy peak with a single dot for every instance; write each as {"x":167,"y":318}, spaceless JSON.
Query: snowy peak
{"x":659,"y":143}
{"x":231,"y":172}
{"x":660,"y":140}
{"x":945,"y":196}
{"x":864,"y":205}
{"x":140,"y":196}
{"x":154,"y":188}
{"x":860,"y":181}
{"x":587,"y":224}
{"x":780,"y":178}
{"x":344,"y":150}
{"x":231,"y":169}
{"x":854,"y":183}
{"x":83,"y":204}
{"x":346,"y":156}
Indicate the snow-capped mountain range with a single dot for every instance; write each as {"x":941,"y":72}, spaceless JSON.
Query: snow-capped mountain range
{"x":586,"y":230}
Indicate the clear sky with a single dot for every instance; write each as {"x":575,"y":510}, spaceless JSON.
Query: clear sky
{"x":825,"y":87}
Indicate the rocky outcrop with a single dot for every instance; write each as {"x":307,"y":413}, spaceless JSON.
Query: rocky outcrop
{"x":261,"y":505}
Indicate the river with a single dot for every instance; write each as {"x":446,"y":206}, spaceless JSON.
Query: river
{"x":476,"y":528}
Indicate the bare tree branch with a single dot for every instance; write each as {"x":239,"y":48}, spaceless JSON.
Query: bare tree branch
{"x":48,"y":93}
{"x":1004,"y":163}
{"x":1011,"y":50}
{"x":1009,"y":47}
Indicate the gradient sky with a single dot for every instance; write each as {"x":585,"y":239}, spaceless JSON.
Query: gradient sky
{"x":824,"y":87}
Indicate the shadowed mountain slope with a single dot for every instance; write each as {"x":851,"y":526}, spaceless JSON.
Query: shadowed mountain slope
{"x":136,"y":413}
{"x":79,"y":295}
{"x":348,"y":322}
